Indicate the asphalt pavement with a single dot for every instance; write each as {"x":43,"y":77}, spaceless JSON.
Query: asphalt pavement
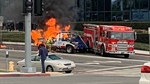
{"x":19,"y":74}
{"x":20,"y":46}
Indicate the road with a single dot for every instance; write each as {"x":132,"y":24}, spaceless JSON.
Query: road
{"x":91,"y":69}
{"x":88,"y":63}
{"x":73,"y":79}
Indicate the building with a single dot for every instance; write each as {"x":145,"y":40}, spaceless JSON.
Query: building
{"x":93,"y":10}
{"x":113,"y":10}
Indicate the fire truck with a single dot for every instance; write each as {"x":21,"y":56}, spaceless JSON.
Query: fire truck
{"x":109,"y":39}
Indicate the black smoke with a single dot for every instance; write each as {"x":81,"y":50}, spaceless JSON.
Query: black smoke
{"x":12,"y":10}
{"x":63,"y":10}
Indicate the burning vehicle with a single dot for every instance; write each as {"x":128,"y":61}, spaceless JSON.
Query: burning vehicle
{"x":63,"y":40}
{"x":73,"y":43}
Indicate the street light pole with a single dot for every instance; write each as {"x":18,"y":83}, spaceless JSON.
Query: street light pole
{"x":149,"y":38}
{"x":0,"y":7}
{"x":28,"y":39}
{"x":28,"y":68}
{"x":121,"y":7}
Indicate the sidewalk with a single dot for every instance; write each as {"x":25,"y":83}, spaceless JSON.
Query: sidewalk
{"x":141,"y":52}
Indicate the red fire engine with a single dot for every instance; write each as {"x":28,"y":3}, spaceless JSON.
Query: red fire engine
{"x":109,"y":39}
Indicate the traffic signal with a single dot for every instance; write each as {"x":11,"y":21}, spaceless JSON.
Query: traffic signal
{"x":38,"y":7}
{"x":27,"y":6}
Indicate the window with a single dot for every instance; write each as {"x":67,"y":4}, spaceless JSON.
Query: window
{"x":37,"y":58}
{"x":32,"y":58}
{"x":53,"y":57}
{"x":122,"y":35}
{"x":128,"y":35}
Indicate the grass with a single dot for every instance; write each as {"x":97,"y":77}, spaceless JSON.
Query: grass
{"x":13,"y":36}
{"x":20,"y":37}
{"x":3,"y":71}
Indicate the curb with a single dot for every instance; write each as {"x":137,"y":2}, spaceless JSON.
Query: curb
{"x":142,"y":54}
{"x":17,"y":43}
{"x":24,"y":74}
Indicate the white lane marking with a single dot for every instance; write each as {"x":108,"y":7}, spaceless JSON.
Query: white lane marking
{"x":98,"y":62}
{"x":92,"y":63}
{"x":134,"y":72}
{"x":103,"y":82}
{"x":108,"y":61}
{"x":114,"y":68}
{"x":16,"y":50}
{"x":55,"y":75}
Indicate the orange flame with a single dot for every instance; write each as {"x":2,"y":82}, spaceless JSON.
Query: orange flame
{"x":2,"y":46}
{"x":65,"y":35}
{"x":36,"y":34}
{"x":52,"y":31}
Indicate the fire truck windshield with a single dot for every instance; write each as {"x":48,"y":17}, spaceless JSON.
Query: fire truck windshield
{"x":122,"y":35}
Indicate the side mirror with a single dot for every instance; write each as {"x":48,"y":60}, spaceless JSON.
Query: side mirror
{"x":105,"y":34}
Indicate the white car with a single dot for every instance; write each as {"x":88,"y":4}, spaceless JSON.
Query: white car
{"x":145,"y":74}
{"x":53,"y":63}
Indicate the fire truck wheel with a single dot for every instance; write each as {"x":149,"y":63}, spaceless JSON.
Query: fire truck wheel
{"x":102,"y":51}
{"x":69,"y":49}
{"x":126,"y":55}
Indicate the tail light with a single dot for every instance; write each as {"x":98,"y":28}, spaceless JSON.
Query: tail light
{"x":145,"y":69}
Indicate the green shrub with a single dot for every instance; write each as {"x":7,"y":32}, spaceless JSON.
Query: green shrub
{"x":142,"y":46}
{"x":143,"y":38}
{"x":13,"y":36}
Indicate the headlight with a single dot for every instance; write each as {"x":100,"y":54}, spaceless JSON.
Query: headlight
{"x":112,"y":45}
{"x":59,"y":64}
{"x":130,"y":45}
{"x":73,"y":64}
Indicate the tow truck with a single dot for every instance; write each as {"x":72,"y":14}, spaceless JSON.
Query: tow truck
{"x":74,"y":43}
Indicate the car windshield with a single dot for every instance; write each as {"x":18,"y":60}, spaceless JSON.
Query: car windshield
{"x":122,"y":35}
{"x":53,"y":57}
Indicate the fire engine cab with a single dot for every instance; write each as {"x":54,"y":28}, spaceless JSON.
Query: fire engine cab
{"x":109,"y":39}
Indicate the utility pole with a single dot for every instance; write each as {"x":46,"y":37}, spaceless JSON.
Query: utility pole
{"x":121,"y":7}
{"x":27,"y":9}
{"x":149,"y":38}
{"x":0,"y":7}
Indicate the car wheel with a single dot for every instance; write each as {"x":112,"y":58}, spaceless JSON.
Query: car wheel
{"x":49,"y":69}
{"x":68,"y":71}
{"x":126,"y":56}
{"x":69,"y":49}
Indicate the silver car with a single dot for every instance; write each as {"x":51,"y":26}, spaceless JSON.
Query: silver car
{"x":145,"y":74}
{"x":53,"y":63}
